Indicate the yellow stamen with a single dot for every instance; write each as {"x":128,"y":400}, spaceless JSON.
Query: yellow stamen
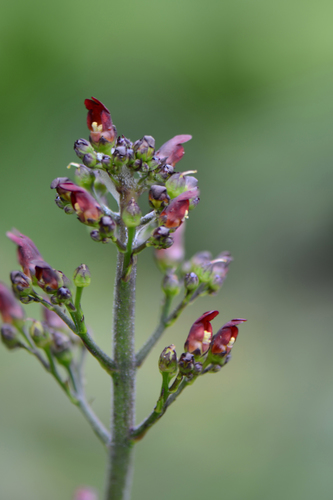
{"x":96,"y":127}
{"x":206,"y":337}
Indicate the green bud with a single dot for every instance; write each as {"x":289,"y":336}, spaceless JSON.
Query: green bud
{"x":22,"y":284}
{"x":167,"y":362}
{"x":82,"y":147}
{"x":84,"y":177}
{"x":131,"y":214}
{"x":61,"y":348}
{"x":39,"y":335}
{"x":90,"y":159}
{"x":82,"y":276}
{"x":191,"y":281}
{"x":186,"y":364}
{"x":9,"y":336}
{"x":170,"y":284}
{"x":144,"y":148}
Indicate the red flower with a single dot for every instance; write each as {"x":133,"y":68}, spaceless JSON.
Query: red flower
{"x":86,"y":207}
{"x":33,"y":264}
{"x":10,"y":309}
{"x":225,"y":338}
{"x":27,"y":251}
{"x":99,"y":121}
{"x":199,"y":338}
{"x":172,"y":151}
{"x":175,"y":213}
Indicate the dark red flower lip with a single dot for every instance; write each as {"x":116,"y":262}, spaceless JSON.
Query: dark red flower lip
{"x":172,"y":151}
{"x":174,"y":214}
{"x":27,"y":251}
{"x":99,"y":115}
{"x":200,"y":335}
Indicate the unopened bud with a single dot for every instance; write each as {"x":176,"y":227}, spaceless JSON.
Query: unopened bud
{"x":95,"y":236}
{"x":119,"y":156}
{"x":191,"y":281}
{"x":163,"y":173}
{"x":39,"y":335}
{"x":160,"y":238}
{"x":158,"y":197}
{"x":186,"y":363}
{"x":61,"y":348}
{"x":9,"y":336}
{"x":167,"y":362}
{"x":107,"y":226}
{"x":22,"y":285}
{"x":144,"y":148}
{"x":90,"y":159}
{"x":131,"y":214}
{"x":82,"y":147}
{"x":82,"y":276}
{"x":170,"y":285}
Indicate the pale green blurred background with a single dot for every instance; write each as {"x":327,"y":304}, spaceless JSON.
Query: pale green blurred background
{"x":252,"y":82}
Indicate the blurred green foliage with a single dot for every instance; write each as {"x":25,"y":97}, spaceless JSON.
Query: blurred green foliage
{"x":252,"y":82}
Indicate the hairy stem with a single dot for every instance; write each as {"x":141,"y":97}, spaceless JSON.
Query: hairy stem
{"x":120,"y":455}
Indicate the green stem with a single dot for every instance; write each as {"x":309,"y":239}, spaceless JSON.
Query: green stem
{"x":123,"y":412}
{"x":139,"y":431}
{"x":54,"y":372}
{"x":128,"y":254}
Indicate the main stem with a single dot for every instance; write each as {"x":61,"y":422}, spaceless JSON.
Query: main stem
{"x":120,"y":455}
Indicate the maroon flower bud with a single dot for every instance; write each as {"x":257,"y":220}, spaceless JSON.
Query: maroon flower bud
{"x":172,"y":151}
{"x":200,"y":335}
{"x":10,"y":309}
{"x":61,"y":348}
{"x":158,"y":197}
{"x":86,"y":207}
{"x":163,"y":173}
{"x":176,"y":212}
{"x":27,"y":251}
{"x":48,"y":279}
{"x":21,"y":283}
{"x":186,"y":364}
{"x":224,"y":339}
{"x":9,"y":336}
{"x":107,"y":226}
{"x":99,"y":121}
{"x":82,"y":147}
{"x":171,"y":257}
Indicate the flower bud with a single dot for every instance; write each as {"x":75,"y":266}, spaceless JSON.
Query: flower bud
{"x":167,"y":362}
{"x":191,"y":281}
{"x":99,"y":122}
{"x":48,"y":279}
{"x":131,"y":214}
{"x":21,"y":283}
{"x":39,"y":335}
{"x":95,"y":236}
{"x":219,"y":271}
{"x":63,"y":296}
{"x":82,"y":276}
{"x":9,"y":336}
{"x":82,"y":147}
{"x":144,"y":148}
{"x":163,"y":173}
{"x":61,"y":348}
{"x":201,"y":265}
{"x":170,"y":285}
{"x":186,"y":364}
{"x":160,"y":238}
{"x":89,"y":160}
{"x":107,"y":226}
{"x":158,"y":197}
{"x":119,"y":156}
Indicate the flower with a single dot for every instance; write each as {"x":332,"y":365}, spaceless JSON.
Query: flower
{"x":33,"y":264}
{"x":225,"y":338}
{"x":99,"y":121}
{"x":10,"y":309}
{"x":172,"y":151}
{"x":199,"y":338}
{"x":174,"y":214}
{"x":86,"y":207}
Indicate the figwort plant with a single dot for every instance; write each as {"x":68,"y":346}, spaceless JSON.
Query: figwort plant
{"x":127,"y":170}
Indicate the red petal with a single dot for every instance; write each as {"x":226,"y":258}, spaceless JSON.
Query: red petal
{"x":173,"y":150}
